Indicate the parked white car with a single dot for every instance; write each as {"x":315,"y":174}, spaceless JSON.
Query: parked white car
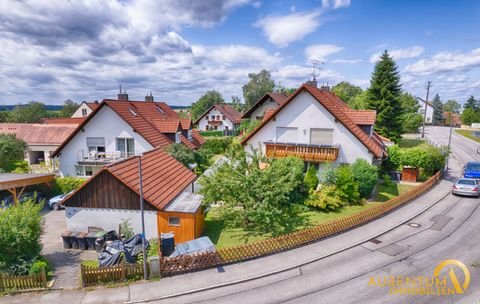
{"x":55,"y":202}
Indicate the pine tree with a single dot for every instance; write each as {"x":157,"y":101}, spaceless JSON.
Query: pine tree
{"x":472,"y":103}
{"x":383,"y":95}
{"x":437,"y":110}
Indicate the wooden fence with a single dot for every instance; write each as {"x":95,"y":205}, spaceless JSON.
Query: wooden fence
{"x":222,"y":256}
{"x":98,"y":275}
{"x":24,"y":282}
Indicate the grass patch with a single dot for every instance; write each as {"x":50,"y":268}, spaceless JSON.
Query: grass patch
{"x":385,"y":193}
{"x":223,"y":236}
{"x":468,"y":134}
{"x":410,"y":143}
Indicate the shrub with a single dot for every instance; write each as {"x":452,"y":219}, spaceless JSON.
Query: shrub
{"x":126,"y":228}
{"x":346,"y":185}
{"x":37,"y":267}
{"x":181,"y":153}
{"x":387,"y":180}
{"x":311,"y":179}
{"x":327,"y":198}
{"x":20,"y":166}
{"x":63,"y":185}
{"x":21,"y":228}
{"x":327,"y":175}
{"x":217,"y":145}
{"x":365,"y":175}
{"x":212,"y":133}
{"x":428,"y":158}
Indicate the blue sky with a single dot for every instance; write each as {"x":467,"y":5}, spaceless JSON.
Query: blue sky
{"x":178,"y":49}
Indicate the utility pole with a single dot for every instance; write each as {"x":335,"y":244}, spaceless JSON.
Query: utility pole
{"x":425,"y":113}
{"x":140,"y":177}
{"x":449,"y":138}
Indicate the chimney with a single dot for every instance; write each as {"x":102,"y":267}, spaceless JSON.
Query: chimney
{"x":122,"y":95}
{"x":149,"y":97}
{"x":96,"y":101}
{"x":312,"y":83}
{"x":325,"y":88}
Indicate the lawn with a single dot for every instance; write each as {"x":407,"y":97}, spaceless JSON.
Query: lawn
{"x":410,"y":143}
{"x":223,"y":236}
{"x":468,"y":134}
{"x":385,"y":193}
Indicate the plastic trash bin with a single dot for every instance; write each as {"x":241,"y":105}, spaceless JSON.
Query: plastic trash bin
{"x":99,"y":244}
{"x":74,"y":240}
{"x":82,"y":241}
{"x":67,"y":239}
{"x":167,"y":243}
{"x":90,"y":238}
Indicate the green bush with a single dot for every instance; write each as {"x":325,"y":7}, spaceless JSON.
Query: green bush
{"x":37,"y":267}
{"x":346,"y":185}
{"x":327,"y":175}
{"x":212,"y":133}
{"x":327,"y":198}
{"x":126,"y":228}
{"x":203,"y":160}
{"x":21,"y":228}
{"x":365,"y":175}
{"x":387,"y":180}
{"x":181,"y":153}
{"x":311,"y":179}
{"x":428,"y":158}
{"x":63,"y":185}
{"x":20,"y":166}
{"x":217,"y":145}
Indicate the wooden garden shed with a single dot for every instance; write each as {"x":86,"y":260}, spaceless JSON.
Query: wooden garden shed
{"x":111,"y":196}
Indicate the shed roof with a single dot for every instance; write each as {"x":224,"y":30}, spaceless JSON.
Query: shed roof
{"x":186,"y":203}
{"x":16,"y":180}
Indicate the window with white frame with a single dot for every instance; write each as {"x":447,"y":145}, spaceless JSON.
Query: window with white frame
{"x":85,"y":170}
{"x":319,"y":136}
{"x":286,"y":134}
{"x":84,"y":112}
{"x":190,"y":135}
{"x":178,"y":139}
{"x":96,"y":147}
{"x":126,"y":147}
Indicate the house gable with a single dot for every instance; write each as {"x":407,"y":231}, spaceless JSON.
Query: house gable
{"x":304,"y":112}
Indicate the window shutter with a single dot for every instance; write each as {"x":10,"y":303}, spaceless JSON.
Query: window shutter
{"x":321,"y":137}
{"x":95,"y":141}
{"x":286,"y":135}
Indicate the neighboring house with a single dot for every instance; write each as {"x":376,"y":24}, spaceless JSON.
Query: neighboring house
{"x":119,"y":129}
{"x":63,"y":121}
{"x":456,"y":120}
{"x":429,"y":116}
{"x":318,"y":127}
{"x":85,"y":109}
{"x":220,"y":117}
{"x":267,"y":103}
{"x":112,"y":196}
{"x":42,"y":139}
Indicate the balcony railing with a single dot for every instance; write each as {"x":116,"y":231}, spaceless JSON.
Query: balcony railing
{"x":314,"y":153}
{"x":101,"y":157}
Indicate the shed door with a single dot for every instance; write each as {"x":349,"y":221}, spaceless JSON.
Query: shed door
{"x":286,"y":135}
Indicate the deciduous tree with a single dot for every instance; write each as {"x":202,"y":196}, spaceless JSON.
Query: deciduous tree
{"x":207,"y":100}
{"x":347,"y":92}
{"x":30,"y":113}
{"x":258,"y":85}
{"x":69,"y":107}
{"x":11,"y":150}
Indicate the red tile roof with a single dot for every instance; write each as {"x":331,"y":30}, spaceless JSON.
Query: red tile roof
{"x":278,"y":98}
{"x":92,"y":105}
{"x":362,"y":117}
{"x":164,"y":178}
{"x":39,"y":134}
{"x":230,"y":113}
{"x":269,"y":112}
{"x":149,"y":119}
{"x":62,"y":121}
{"x":336,"y":107}
{"x":186,"y":123}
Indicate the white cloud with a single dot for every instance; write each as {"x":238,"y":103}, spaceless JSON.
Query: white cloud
{"x":347,"y":61}
{"x":282,"y":30}
{"x":406,"y":53}
{"x":446,"y":62}
{"x":321,"y":51}
{"x":335,"y":3}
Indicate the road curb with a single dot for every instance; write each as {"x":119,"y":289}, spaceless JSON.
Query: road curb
{"x":267,"y":274}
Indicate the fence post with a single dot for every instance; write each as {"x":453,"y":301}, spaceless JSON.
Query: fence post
{"x":124,"y":271}
{"x":82,"y":274}
{"x":2,"y":286}
{"x":44,"y":278}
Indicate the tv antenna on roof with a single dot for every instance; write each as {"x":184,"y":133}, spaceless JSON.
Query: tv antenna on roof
{"x":315,"y":67}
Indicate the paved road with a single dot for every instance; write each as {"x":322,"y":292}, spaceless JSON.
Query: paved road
{"x":447,"y":228}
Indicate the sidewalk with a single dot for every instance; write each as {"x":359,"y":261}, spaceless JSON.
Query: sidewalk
{"x":280,"y":264}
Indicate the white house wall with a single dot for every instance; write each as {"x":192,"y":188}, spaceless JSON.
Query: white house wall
{"x":106,"y":123}
{"x":260,"y":111}
{"x":429,"y":116}
{"x":202,"y":123}
{"x":79,"y":219}
{"x":304,"y":112}
{"x":78,"y":112}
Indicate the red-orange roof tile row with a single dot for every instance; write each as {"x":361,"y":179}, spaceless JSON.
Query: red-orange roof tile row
{"x":39,"y":134}
{"x":362,"y":117}
{"x":62,"y":121}
{"x":164,"y":178}
{"x":338,"y":109}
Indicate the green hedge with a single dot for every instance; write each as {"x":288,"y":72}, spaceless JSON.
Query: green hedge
{"x":217,"y":145}
{"x":211,"y":133}
{"x":63,"y":185}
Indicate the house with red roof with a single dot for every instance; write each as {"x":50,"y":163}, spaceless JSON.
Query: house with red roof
{"x":219,"y":117}
{"x":317,"y":126}
{"x":265,"y":105}
{"x":112,"y":196}
{"x":121,"y":128}
{"x":85,"y":109}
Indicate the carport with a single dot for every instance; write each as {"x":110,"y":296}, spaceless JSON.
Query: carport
{"x":15,"y":183}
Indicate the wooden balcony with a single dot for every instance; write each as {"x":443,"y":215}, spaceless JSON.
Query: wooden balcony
{"x":313,"y":153}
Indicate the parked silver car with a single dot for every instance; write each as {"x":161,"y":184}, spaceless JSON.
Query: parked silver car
{"x":467,"y":186}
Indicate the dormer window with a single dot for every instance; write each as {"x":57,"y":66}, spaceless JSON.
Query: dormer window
{"x":84,"y":112}
{"x":178,"y":139}
{"x":132,"y":111}
{"x":190,"y":135}
{"x":223,"y":117}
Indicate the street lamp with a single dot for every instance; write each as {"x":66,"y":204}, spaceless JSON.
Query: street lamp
{"x":140,"y":177}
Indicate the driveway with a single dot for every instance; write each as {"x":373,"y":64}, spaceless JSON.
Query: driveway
{"x":65,"y":262}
